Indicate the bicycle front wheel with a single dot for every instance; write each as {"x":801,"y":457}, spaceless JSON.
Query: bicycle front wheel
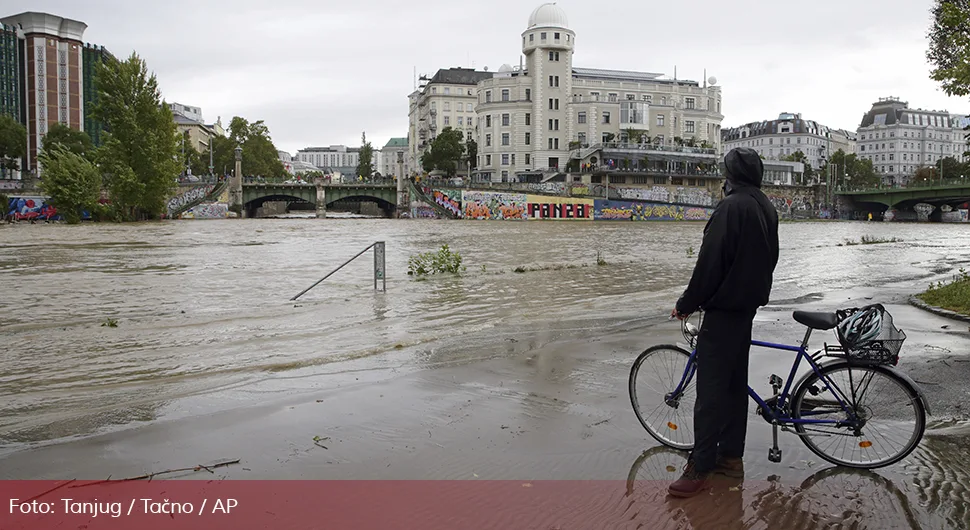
{"x":655,"y":374}
{"x":889,"y":415}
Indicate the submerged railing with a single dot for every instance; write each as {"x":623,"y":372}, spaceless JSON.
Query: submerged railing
{"x":379,"y":266}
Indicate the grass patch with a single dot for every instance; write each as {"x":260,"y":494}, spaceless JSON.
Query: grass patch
{"x":600,"y":260}
{"x":870,"y":240}
{"x":109,"y":323}
{"x":953,"y":295}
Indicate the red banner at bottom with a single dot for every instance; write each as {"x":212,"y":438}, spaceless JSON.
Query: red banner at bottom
{"x":425,"y":505}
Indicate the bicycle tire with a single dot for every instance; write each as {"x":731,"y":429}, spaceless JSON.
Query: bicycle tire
{"x":809,"y":382}
{"x":687,"y":422}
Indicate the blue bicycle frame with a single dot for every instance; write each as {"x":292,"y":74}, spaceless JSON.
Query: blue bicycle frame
{"x":801,"y":352}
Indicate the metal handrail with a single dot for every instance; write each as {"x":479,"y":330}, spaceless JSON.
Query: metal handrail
{"x":378,"y":268}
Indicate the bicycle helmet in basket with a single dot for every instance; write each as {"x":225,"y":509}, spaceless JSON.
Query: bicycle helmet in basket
{"x":860,"y":327}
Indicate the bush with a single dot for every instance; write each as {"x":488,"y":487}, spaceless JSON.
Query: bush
{"x":72,"y":182}
{"x":440,"y":262}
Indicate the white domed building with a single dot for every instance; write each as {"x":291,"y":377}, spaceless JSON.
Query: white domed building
{"x":535,"y":120}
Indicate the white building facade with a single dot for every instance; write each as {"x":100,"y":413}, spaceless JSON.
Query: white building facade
{"x":790,"y":133}
{"x":336,"y":159}
{"x":899,"y":140}
{"x":534,"y":118}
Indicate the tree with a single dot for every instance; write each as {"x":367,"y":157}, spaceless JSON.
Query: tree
{"x":446,"y":152}
{"x":949,"y":51}
{"x":259,"y":155}
{"x":60,"y":135}
{"x":853,"y":172}
{"x":365,"y":159}
{"x":950,"y":167}
{"x":139,"y":154}
{"x":190,"y":157}
{"x":13,"y":144}
{"x":72,"y":181}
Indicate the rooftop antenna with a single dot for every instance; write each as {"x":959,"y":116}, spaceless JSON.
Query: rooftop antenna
{"x":705,"y":78}
{"x":675,"y":72}
{"x":415,"y":77}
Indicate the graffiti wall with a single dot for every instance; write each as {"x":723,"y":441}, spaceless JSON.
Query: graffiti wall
{"x":447,"y":199}
{"x":421,"y":210}
{"x":546,"y":207}
{"x":197,"y":193}
{"x":792,"y":201}
{"x":494,"y":205}
{"x":207,"y":210}
{"x":604,"y":210}
{"x":31,"y":208}
{"x":557,"y":188}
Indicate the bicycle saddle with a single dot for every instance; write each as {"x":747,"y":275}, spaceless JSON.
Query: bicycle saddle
{"x":820,"y":321}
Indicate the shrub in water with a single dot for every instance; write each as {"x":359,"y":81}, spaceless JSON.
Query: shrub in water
{"x":439,"y":262}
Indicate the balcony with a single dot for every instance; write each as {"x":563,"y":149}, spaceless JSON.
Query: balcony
{"x":646,"y":148}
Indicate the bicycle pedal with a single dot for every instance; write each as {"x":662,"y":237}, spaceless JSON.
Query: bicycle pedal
{"x":774,"y":455}
{"x":774,"y":380}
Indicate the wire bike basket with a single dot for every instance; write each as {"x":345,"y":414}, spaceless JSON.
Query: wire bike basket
{"x":881,"y":349}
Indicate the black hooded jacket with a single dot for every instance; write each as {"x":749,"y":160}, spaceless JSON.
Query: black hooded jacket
{"x":740,"y":248}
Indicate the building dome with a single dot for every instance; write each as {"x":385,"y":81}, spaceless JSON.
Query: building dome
{"x":548,"y":15}
{"x":505,"y":68}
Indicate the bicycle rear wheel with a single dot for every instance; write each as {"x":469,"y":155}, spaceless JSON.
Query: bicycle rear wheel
{"x":891,"y":415}
{"x":655,"y":374}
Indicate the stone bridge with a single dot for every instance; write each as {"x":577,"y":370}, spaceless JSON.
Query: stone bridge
{"x":254,"y":194}
{"x":952,"y":193}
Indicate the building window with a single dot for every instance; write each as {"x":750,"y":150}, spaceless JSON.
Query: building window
{"x":488,"y":140}
{"x":554,"y":81}
{"x":527,"y":158}
{"x":582,"y":138}
{"x":505,"y":138}
{"x":461,"y":121}
{"x":528,"y":118}
{"x":613,"y":97}
{"x":488,"y":96}
{"x":469,"y":108}
{"x":542,"y":36}
{"x":505,"y":120}
{"x":505,"y":94}
{"x":556,"y":36}
{"x":556,"y":143}
{"x":663,"y":100}
{"x":488,"y":120}
{"x":648,"y":98}
{"x":488,"y":160}
{"x":631,"y":97}
{"x":595,"y":96}
{"x":505,"y":159}
{"x":660,"y":120}
{"x":689,"y":126}
{"x":553,"y":104}
{"x":528,"y":94}
{"x":446,"y":106}
{"x":528,"y":141}
{"x":606,"y":137}
{"x":606,"y":117}
{"x":550,"y":143}
{"x":581,"y":117}
{"x":513,"y":159}
{"x":554,"y":56}
{"x":447,"y":121}
{"x":532,"y":37}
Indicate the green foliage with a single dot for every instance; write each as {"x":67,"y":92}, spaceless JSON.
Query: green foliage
{"x":853,"y":172}
{"x":62,"y":136}
{"x":72,"y":182}
{"x":365,"y":159}
{"x":439,"y":262}
{"x":139,"y":155}
{"x":259,"y":155}
{"x":870,"y":240}
{"x":949,"y":51}
{"x":600,"y":260}
{"x":690,"y":251}
{"x":953,"y":295}
{"x":109,"y":323}
{"x":445,"y":153}
{"x":13,"y":143}
{"x":190,"y":157}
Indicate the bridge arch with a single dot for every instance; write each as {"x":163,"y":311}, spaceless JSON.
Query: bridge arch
{"x":255,"y":195}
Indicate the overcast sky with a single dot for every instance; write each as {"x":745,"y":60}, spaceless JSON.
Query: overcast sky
{"x":321,"y":72}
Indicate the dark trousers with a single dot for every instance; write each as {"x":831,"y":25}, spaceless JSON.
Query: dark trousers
{"x":721,"y":409}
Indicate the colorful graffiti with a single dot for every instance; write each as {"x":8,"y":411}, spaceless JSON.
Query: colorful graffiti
{"x":545,"y":207}
{"x":604,"y":210}
{"x":494,"y":205}
{"x":207,"y":210}
{"x":558,"y":188}
{"x":195,"y":194}
{"x":449,"y":200}
{"x":792,"y":200}
{"x":31,"y":209}
{"x":422,"y":210}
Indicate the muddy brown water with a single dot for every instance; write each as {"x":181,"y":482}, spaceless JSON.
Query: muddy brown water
{"x":204,"y":324}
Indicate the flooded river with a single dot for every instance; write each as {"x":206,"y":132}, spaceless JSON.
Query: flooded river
{"x":106,"y":327}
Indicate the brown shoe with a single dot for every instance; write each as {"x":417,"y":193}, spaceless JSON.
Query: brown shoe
{"x":690,"y":483}
{"x":729,"y":467}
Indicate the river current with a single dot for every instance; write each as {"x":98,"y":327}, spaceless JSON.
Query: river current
{"x":102,"y":325}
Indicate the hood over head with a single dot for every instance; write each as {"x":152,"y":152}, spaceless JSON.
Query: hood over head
{"x":744,"y":167}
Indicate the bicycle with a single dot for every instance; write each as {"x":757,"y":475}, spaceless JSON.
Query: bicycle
{"x":815,"y":407}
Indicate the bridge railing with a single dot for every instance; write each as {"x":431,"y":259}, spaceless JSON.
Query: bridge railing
{"x":327,"y":181}
{"x":379,"y":266}
{"x":911,"y":185}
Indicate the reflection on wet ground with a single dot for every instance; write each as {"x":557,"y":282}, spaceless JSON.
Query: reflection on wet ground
{"x":833,"y":497}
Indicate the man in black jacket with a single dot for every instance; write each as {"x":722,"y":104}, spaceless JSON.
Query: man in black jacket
{"x":731,"y":280}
